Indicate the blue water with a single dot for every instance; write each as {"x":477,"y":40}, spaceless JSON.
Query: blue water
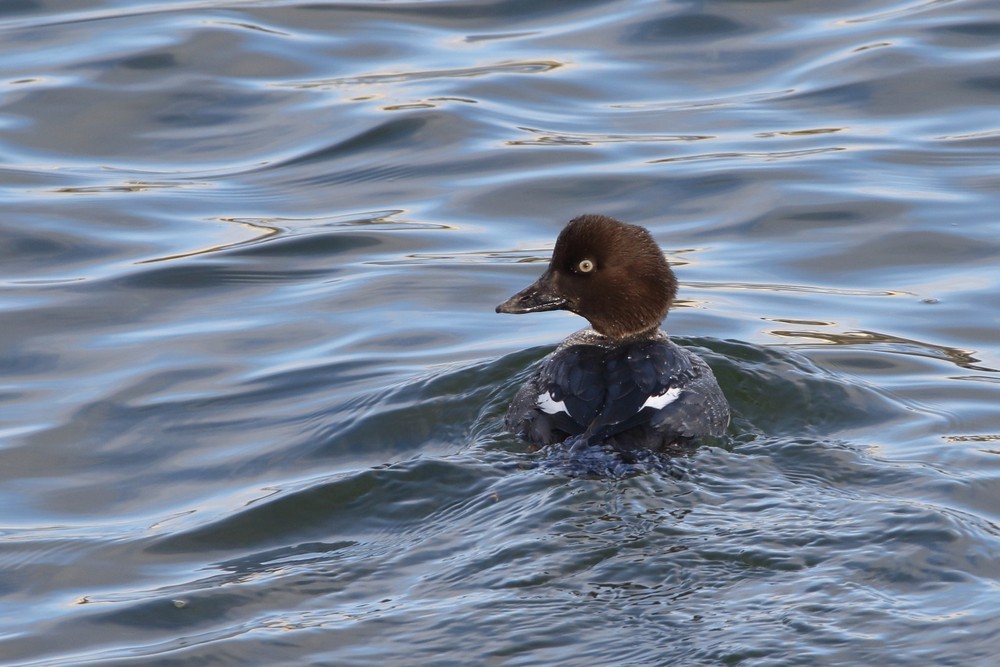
{"x":252,"y":381}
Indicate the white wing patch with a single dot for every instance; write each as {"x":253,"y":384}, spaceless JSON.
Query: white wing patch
{"x":549,"y":405}
{"x":662,"y":400}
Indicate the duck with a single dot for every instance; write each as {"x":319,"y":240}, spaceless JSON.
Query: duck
{"x":622,"y":382}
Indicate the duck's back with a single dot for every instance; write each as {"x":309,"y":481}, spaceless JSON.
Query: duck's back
{"x":641,"y":393}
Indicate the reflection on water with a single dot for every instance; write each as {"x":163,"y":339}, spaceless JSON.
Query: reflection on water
{"x":253,"y":382}
{"x":893,"y":345}
{"x":403,"y":77}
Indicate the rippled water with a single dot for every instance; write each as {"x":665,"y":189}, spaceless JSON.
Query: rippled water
{"x":251,"y":380}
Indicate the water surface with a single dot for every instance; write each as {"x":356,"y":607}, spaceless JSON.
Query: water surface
{"x":252,"y":381}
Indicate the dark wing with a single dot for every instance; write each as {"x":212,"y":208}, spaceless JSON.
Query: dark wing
{"x":701,"y":408}
{"x":635,"y":374}
{"x":573,"y":377}
{"x":562,"y":398}
{"x":599,"y":392}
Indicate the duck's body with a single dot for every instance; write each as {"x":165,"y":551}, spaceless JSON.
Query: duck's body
{"x":647,"y":392}
{"x":623,"y":383}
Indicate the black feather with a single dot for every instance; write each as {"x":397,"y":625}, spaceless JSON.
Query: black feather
{"x":604,"y":387}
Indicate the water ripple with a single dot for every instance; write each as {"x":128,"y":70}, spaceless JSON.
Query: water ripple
{"x":253,"y":381}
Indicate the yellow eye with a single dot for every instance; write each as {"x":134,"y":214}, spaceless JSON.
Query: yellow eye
{"x":586,"y":266}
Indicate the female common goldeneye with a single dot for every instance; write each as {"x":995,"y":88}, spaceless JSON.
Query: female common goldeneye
{"x":621,"y":383}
